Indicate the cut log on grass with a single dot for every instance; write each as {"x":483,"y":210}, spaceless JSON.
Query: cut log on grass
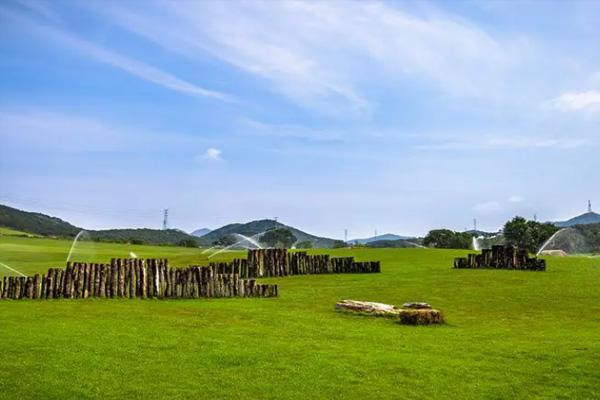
{"x":423,"y":316}
{"x":369,"y":308}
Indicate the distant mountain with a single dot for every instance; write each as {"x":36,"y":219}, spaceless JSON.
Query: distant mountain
{"x":41,"y":224}
{"x":387,"y":236}
{"x":36,"y":223}
{"x":255,"y":228}
{"x":583,"y":219}
{"x":200,"y":232}
{"x":400,"y":243}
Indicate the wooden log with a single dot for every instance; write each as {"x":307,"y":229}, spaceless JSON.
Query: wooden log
{"x":29,"y":287}
{"x":4,"y":293}
{"x":80,"y":280}
{"x":15,"y":288}
{"x":143,"y":282}
{"x":114,"y":280}
{"x":132,"y":281}
{"x":84,"y":278}
{"x":36,"y":287}
{"x":43,"y":287}
{"x":92,"y":280}
{"x":119,"y":280}
{"x":102,"y":275}
{"x":50,"y":284}
{"x":158,"y":279}
{"x":74,"y":280}
{"x":163,"y":279}
{"x":9,"y":287}
{"x":58,"y":284}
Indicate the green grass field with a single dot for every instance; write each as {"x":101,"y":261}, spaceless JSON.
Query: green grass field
{"x":509,"y":334}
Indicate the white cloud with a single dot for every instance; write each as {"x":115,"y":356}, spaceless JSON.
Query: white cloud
{"x":578,"y":101}
{"x":134,"y":67}
{"x":212,"y":154}
{"x":320,"y":54}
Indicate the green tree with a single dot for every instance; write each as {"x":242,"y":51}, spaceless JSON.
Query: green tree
{"x":525,"y":234}
{"x":306,"y":244}
{"x":226,"y":240}
{"x":187,"y":243}
{"x":278,"y":237}
{"x":338,"y":244}
{"x":447,"y":239}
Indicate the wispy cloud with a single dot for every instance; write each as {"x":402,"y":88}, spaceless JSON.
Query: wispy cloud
{"x":506,"y":142}
{"x":253,"y":127}
{"x":323,"y":54}
{"x":588,"y":101}
{"x":104,"y":55}
{"x":58,"y":131}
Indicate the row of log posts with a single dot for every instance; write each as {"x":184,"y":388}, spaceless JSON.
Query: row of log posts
{"x":277,"y":262}
{"x":237,"y":266}
{"x":153,"y":278}
{"x":501,"y":257}
{"x":124,"y":278}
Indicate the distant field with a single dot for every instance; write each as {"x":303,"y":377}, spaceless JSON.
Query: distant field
{"x":509,"y":334}
{"x":31,"y":255}
{"x":12,"y":232}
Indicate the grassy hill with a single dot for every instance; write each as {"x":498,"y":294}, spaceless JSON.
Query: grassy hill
{"x":36,"y":223}
{"x":388,"y":237}
{"x":401,"y":243}
{"x":14,"y":232}
{"x":509,"y":334}
{"x":255,"y":227}
{"x":583,"y":219}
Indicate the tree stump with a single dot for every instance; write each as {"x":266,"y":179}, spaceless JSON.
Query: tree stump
{"x":420,"y":316}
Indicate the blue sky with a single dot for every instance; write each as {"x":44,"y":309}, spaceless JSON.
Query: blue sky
{"x":395,"y":116}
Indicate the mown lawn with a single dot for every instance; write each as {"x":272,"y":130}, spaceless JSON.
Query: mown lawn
{"x":509,"y":334}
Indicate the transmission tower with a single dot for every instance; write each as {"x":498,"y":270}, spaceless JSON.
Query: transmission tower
{"x":589,"y":206}
{"x":474,"y":224}
{"x":345,"y":235}
{"x":165,"y":219}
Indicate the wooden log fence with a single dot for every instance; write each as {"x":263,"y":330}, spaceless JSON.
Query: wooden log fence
{"x":134,"y":278}
{"x":153,"y":278}
{"x":501,"y":257}
{"x":278,"y":262}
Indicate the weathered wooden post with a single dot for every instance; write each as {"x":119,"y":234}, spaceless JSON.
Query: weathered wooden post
{"x":50,"y":284}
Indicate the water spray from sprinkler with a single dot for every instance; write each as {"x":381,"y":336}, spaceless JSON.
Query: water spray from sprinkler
{"x":12,"y":269}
